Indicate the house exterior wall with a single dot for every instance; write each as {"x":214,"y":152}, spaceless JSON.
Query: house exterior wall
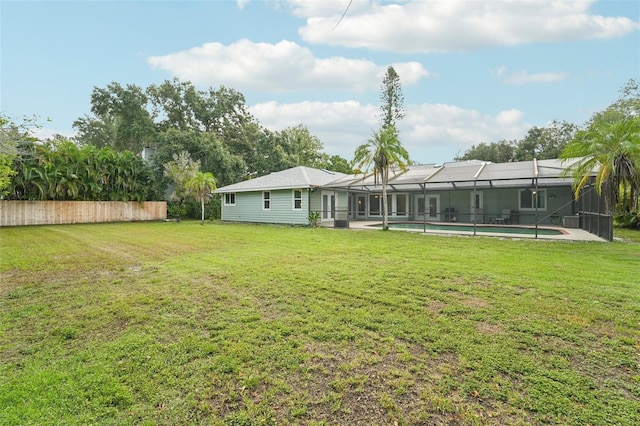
{"x":249,"y":208}
{"x":315,"y":201}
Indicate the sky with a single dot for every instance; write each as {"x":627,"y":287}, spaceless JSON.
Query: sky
{"x":471,"y":71}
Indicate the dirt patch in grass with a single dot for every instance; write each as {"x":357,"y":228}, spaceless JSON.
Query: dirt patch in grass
{"x":489,"y":329}
{"x":351,"y":385}
{"x":475,"y":302}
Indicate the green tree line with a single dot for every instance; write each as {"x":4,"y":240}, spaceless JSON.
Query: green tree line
{"x":214,"y":126}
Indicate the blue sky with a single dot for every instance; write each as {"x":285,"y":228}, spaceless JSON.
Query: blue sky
{"x":471,"y":71}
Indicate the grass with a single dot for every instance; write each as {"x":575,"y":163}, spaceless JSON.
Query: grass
{"x":177,"y":323}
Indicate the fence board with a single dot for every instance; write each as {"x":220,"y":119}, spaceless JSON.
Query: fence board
{"x":19,"y":213}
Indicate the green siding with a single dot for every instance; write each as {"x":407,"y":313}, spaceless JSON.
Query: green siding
{"x":248,"y":208}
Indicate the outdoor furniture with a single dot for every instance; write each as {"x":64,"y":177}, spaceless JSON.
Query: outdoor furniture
{"x":504,"y":218}
{"x":450,"y":214}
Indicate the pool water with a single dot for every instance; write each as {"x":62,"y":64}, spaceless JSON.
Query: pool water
{"x":479,"y":228}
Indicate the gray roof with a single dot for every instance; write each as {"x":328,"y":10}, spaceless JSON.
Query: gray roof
{"x":295,"y":178}
{"x":468,"y":174}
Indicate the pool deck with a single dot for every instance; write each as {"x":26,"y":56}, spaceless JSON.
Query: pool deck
{"x":569,"y":234}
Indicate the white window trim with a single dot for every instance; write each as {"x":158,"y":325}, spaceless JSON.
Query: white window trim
{"x":265,"y":199}
{"x":532,"y":209}
{"x":234,"y":199}
{"x":293,"y":197}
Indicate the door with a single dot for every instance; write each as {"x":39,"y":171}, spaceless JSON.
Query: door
{"x":477,"y":207}
{"x":328,"y":206}
{"x":361,"y":201}
{"x":433,"y":211}
{"x":429,"y":210}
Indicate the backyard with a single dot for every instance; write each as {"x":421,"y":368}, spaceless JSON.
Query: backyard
{"x":178,"y":323}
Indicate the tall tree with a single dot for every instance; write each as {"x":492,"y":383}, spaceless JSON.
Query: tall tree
{"x":174,"y":103}
{"x":541,"y":143}
{"x":613,"y":149}
{"x":391,"y":99}
{"x":201,"y":186}
{"x":497,"y":152}
{"x":301,"y":147}
{"x":545,"y":142}
{"x":121,"y":119}
{"x":381,"y":153}
{"x":626,"y":106}
{"x":335,"y":163}
{"x":10,"y":136}
{"x":180,"y":170}
{"x":207,"y":148}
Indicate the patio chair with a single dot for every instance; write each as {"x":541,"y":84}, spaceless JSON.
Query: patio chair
{"x":505,"y":217}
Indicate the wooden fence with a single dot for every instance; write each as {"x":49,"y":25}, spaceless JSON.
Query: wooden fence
{"x":18,"y":213}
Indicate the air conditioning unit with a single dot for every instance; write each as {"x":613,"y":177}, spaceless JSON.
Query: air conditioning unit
{"x":571,"y":221}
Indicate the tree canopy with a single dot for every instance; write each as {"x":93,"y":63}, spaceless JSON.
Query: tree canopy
{"x":213,"y":125}
{"x":540,"y":143}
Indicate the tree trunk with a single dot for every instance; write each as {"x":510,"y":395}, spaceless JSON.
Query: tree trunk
{"x":385,"y":210}
{"x":202,"y":210}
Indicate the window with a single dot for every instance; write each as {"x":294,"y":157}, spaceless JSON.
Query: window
{"x":476,"y":200}
{"x":529,"y":198}
{"x":230,"y":199}
{"x":266,"y":200}
{"x":297,"y":199}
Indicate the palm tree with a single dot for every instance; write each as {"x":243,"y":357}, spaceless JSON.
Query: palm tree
{"x":382,"y":152}
{"x":613,"y":149}
{"x":201,"y":186}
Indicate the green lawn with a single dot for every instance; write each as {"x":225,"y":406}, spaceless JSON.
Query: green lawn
{"x":177,"y":323}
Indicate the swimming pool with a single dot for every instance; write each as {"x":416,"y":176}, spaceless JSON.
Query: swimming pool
{"x":495,"y":229}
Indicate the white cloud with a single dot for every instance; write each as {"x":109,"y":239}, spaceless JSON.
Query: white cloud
{"x":44,"y":133}
{"x":280,"y":67}
{"x":455,"y":25}
{"x":241,"y":3}
{"x":523,"y":77}
{"x":430,"y":132}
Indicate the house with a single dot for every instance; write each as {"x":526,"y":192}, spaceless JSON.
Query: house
{"x":288,"y":196}
{"x":532,"y":192}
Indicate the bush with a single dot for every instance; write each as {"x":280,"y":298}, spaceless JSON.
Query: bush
{"x":627,"y":220}
{"x":191,"y":209}
{"x":176,"y":211}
